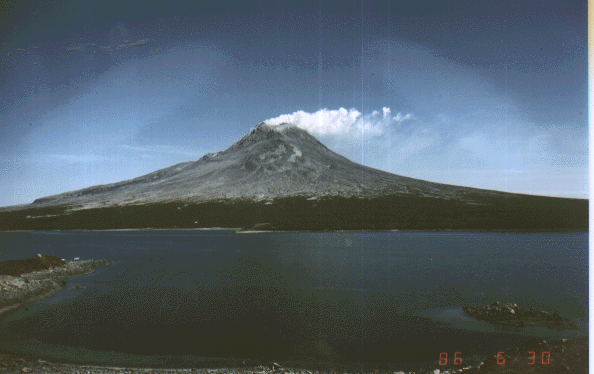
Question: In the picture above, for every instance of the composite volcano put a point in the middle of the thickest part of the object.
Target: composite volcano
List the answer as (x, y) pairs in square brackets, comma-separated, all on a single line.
[(271, 161), (281, 177)]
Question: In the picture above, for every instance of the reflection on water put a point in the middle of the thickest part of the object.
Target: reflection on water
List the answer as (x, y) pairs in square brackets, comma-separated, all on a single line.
[(178, 298)]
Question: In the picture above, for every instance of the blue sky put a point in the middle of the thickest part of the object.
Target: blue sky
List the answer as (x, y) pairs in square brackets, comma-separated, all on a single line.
[(476, 93)]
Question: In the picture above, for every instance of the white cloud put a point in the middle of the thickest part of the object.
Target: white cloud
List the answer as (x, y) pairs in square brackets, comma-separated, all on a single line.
[(341, 121), (399, 117)]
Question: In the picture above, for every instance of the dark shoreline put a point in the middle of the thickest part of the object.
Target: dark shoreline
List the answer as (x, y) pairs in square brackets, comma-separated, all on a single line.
[(243, 230), (563, 356)]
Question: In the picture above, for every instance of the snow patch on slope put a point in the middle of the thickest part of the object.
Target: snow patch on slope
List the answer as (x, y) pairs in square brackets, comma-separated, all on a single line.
[(297, 153)]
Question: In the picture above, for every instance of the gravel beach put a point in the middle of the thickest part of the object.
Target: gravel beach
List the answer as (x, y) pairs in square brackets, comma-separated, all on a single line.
[(566, 357)]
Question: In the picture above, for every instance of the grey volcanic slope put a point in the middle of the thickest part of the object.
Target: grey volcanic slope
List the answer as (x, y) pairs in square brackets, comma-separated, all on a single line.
[(270, 161)]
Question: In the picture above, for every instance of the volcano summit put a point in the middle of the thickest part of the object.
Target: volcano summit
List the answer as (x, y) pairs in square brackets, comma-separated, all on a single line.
[(281, 177)]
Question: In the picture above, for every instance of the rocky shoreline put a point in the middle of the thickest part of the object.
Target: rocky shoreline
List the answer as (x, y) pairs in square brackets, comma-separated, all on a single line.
[(19, 287), (513, 315)]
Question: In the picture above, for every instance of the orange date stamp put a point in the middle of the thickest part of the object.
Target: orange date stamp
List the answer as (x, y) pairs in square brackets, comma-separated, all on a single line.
[(545, 358)]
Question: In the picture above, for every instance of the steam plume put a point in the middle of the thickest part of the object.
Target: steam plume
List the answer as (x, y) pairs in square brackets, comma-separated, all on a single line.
[(341, 121)]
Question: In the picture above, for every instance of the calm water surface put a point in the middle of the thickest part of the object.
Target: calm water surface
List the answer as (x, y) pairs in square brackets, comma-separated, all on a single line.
[(180, 298)]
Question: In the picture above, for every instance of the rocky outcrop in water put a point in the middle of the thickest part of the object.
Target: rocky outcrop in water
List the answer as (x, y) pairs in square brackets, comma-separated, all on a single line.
[(512, 315)]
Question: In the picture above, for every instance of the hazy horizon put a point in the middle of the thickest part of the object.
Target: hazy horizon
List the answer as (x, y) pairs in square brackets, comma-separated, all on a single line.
[(476, 94)]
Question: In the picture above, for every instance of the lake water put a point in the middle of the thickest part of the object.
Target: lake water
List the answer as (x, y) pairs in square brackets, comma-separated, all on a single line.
[(206, 298)]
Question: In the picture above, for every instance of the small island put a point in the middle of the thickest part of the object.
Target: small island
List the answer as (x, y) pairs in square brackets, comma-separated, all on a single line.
[(512, 315)]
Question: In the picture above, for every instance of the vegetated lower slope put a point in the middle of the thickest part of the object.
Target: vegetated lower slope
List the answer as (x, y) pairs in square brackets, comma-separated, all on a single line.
[(519, 213)]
